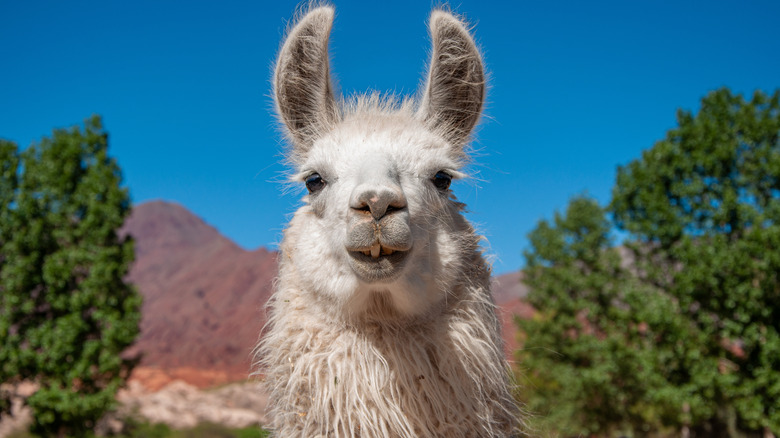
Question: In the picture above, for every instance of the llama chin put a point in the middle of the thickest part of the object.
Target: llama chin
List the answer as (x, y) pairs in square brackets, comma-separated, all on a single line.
[(382, 323)]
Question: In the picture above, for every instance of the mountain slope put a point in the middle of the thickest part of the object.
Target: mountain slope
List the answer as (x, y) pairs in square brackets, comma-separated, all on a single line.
[(203, 295)]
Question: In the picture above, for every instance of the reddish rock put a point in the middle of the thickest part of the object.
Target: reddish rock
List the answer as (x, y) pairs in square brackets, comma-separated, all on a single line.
[(203, 295), (509, 292)]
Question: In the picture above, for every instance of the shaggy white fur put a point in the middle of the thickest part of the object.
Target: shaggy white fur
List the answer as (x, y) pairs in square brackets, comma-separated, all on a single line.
[(382, 323)]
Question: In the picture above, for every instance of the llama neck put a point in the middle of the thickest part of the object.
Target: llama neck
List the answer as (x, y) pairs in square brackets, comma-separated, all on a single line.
[(442, 376)]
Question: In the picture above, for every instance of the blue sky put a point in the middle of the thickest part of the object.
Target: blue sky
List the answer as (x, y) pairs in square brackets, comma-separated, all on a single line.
[(577, 88)]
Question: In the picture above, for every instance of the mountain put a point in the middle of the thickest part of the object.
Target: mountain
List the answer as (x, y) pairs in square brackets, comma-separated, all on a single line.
[(204, 298), (509, 292)]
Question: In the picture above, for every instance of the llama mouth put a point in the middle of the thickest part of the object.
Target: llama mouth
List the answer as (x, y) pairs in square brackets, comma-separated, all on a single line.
[(377, 250), (378, 263)]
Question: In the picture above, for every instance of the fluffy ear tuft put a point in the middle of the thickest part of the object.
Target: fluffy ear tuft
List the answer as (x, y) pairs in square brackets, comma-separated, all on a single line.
[(455, 90), (302, 86)]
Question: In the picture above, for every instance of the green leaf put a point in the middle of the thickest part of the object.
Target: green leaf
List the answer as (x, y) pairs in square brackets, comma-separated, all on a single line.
[(66, 312)]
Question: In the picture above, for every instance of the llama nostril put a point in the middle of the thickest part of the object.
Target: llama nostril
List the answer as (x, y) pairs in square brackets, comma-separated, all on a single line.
[(378, 202), (393, 209)]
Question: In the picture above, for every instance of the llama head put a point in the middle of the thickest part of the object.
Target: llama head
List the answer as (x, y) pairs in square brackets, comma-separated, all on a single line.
[(379, 224)]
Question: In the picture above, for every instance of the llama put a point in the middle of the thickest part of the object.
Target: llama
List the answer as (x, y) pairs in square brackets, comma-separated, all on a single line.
[(382, 323)]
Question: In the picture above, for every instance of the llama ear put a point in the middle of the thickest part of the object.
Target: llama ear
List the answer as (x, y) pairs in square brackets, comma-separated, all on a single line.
[(455, 90), (302, 87)]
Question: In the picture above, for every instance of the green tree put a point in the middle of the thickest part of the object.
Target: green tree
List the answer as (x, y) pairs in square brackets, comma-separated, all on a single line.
[(703, 206), (66, 313), (601, 356), (678, 327), (9, 164)]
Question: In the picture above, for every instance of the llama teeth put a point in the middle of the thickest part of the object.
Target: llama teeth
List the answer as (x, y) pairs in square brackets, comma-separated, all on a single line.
[(387, 251), (375, 250)]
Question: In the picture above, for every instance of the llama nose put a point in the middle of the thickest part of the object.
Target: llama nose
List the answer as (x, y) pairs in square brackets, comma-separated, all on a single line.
[(378, 202)]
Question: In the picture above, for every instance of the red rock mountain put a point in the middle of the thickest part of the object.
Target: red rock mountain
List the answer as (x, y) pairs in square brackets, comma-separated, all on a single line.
[(204, 298), (509, 293)]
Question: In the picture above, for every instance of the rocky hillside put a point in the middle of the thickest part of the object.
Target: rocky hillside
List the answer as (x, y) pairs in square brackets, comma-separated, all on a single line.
[(204, 298), (509, 293)]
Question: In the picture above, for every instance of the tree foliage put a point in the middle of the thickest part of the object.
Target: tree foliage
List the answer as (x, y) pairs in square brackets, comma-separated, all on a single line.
[(66, 313), (602, 354), (679, 327)]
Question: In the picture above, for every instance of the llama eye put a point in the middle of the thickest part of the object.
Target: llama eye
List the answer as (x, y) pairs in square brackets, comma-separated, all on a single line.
[(314, 183), (442, 180)]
